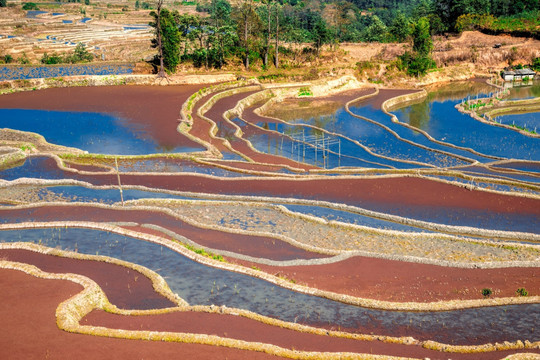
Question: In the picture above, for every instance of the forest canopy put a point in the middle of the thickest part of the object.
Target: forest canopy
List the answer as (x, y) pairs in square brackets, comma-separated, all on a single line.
[(250, 30)]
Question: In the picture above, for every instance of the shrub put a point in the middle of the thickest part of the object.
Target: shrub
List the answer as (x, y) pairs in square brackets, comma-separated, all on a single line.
[(30, 6), (305, 91), (522, 292), (8, 59), (414, 63), (80, 54), (486, 292), (364, 65), (49, 60), (536, 64), (24, 59)]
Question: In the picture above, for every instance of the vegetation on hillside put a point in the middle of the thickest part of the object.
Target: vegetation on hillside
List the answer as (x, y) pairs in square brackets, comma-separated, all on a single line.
[(80, 54), (253, 31)]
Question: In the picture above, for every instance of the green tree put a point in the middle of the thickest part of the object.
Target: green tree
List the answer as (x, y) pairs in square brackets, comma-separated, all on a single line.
[(137, 4), (321, 34), (376, 31), (3, 3), (536, 64), (436, 24), (419, 61), (167, 39), (52, 59), (222, 41), (422, 42), (80, 54), (30, 6), (479, 7), (400, 27), (248, 26), (220, 13)]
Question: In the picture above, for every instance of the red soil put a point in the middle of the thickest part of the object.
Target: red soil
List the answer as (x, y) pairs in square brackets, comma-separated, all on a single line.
[(28, 313), (201, 128), (90, 168), (125, 288), (240, 328), (156, 109), (402, 281), (358, 276), (253, 118), (162, 104), (399, 191), (29, 331), (250, 166)]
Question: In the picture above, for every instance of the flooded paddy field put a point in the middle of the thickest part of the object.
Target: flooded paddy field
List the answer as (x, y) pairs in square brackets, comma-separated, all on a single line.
[(209, 286), (284, 210)]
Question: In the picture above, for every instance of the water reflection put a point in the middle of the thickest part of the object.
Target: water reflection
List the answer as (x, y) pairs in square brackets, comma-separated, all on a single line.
[(94, 132), (438, 117)]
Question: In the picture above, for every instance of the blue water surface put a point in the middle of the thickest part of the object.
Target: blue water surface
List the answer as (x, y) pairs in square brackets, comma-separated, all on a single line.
[(93, 132), (447, 124), (529, 121)]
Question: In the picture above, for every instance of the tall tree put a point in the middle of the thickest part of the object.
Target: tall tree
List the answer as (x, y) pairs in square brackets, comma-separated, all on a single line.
[(321, 33), (157, 42), (167, 39), (248, 20), (422, 42), (400, 27), (3, 3), (220, 13), (420, 61), (377, 31), (268, 32), (276, 55), (480, 7)]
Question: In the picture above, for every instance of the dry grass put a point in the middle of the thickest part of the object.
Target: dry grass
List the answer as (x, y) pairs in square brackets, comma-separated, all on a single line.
[(478, 49)]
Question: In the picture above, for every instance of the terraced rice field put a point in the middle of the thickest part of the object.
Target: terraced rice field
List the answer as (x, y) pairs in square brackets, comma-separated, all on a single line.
[(245, 220), (30, 34)]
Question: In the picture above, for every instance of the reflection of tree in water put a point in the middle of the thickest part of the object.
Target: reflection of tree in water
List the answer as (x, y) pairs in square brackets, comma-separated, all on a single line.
[(226, 131), (418, 113), (458, 90), (327, 122), (165, 148), (301, 110)]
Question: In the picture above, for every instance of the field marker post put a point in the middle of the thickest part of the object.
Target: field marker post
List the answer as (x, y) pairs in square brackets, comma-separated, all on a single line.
[(119, 183)]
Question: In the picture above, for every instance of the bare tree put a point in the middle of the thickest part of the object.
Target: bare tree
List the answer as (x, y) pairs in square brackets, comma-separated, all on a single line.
[(248, 19), (161, 72), (267, 45), (276, 57)]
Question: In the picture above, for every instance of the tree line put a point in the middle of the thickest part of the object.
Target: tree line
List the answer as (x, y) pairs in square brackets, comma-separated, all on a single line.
[(254, 30)]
